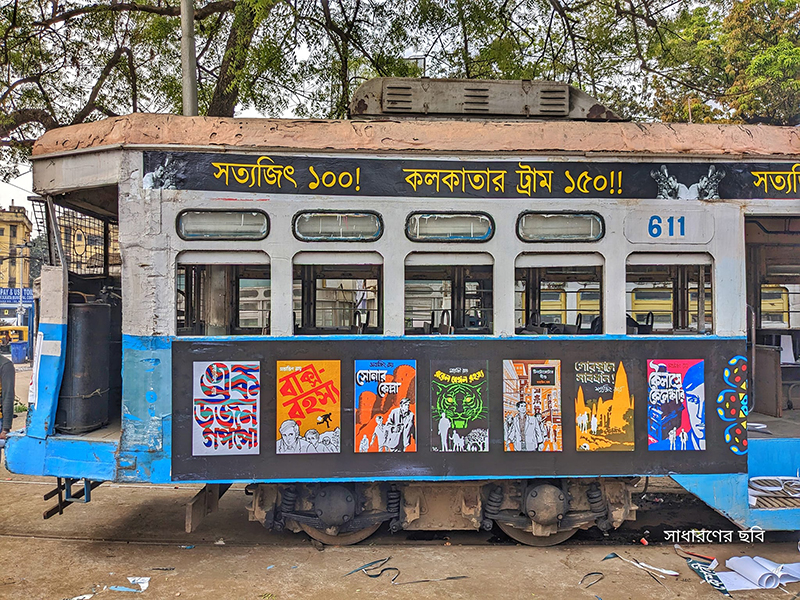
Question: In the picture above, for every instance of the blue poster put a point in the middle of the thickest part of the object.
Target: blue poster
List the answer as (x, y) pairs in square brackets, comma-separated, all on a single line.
[(676, 405)]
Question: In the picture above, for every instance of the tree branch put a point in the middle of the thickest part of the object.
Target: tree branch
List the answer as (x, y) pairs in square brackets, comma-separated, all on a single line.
[(90, 103), (166, 11), (24, 116)]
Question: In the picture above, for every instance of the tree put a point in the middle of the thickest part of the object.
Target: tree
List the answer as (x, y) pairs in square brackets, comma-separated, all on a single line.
[(735, 61), (39, 255), (73, 61), (66, 62)]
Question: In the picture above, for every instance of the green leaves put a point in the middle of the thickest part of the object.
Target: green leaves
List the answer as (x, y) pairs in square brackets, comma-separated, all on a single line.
[(65, 61)]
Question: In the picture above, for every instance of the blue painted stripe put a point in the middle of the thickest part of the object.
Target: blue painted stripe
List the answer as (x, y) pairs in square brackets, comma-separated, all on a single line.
[(521, 338), (145, 343), (442, 478), (62, 456)]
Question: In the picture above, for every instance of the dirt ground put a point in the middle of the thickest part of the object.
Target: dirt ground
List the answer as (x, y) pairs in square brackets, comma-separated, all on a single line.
[(137, 531)]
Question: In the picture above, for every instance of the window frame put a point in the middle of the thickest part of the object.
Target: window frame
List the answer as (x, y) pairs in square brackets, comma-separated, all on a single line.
[(297, 215), (221, 238), (480, 213), (679, 261), (560, 212)]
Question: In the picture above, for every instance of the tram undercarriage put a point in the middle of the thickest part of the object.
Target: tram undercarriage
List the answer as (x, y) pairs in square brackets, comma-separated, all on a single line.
[(538, 512)]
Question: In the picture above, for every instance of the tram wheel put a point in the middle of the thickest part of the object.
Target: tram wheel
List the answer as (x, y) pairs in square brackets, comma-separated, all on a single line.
[(341, 539), (527, 538)]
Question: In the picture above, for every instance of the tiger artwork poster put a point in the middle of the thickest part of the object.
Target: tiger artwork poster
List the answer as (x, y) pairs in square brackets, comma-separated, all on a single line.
[(603, 407), (532, 406), (386, 406), (309, 407), (459, 406)]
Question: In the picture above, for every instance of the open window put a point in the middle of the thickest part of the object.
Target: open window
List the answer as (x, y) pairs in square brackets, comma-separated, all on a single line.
[(775, 313), (663, 294), (558, 294), (337, 298), (442, 298), (222, 299)]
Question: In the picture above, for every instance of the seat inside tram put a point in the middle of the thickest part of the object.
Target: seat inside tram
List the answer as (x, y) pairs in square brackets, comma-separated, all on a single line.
[(448, 299), (558, 300), (664, 299)]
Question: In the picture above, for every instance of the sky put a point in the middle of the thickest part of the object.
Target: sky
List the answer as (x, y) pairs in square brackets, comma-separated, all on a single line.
[(11, 191)]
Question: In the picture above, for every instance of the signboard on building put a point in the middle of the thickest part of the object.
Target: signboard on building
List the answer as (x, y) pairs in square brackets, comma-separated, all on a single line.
[(11, 296)]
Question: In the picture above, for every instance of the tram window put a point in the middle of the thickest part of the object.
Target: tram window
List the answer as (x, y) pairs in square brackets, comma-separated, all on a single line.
[(337, 299), (449, 227), (774, 307), (664, 299), (558, 300), (560, 227), (223, 300), (222, 225), (448, 299), (337, 226)]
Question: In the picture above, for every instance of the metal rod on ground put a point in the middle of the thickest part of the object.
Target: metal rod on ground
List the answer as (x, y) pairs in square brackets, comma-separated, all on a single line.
[(188, 59)]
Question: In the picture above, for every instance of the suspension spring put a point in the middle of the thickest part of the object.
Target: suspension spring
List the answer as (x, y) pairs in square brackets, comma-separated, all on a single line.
[(493, 503), (597, 503), (393, 501), (288, 497), (599, 507)]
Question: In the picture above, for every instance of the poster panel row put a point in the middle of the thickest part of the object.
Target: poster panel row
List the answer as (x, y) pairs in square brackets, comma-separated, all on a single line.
[(226, 410)]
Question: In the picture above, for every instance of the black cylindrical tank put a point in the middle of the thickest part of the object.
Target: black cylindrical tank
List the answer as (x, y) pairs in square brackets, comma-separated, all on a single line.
[(83, 399)]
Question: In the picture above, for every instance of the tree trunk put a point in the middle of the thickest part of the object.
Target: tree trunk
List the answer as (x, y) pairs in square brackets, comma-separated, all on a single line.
[(226, 92)]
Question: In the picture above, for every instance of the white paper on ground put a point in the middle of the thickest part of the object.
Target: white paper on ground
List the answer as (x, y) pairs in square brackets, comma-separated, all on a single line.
[(735, 582), (793, 568), (142, 582), (750, 569), (785, 573)]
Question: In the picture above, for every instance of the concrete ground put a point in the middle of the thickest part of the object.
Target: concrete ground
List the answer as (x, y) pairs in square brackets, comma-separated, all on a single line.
[(137, 531)]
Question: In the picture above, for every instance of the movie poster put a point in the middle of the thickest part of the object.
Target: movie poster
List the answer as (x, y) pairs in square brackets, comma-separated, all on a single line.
[(225, 408), (386, 406), (532, 405), (676, 405), (309, 407), (459, 406), (603, 407)]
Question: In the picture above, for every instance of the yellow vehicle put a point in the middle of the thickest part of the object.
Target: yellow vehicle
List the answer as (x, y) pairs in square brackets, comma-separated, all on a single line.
[(13, 333), (774, 306), (659, 302)]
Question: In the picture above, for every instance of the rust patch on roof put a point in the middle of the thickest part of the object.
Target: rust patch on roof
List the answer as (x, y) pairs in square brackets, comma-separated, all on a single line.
[(531, 137)]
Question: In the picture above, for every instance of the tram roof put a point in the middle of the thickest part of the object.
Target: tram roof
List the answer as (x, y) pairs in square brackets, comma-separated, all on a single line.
[(165, 131)]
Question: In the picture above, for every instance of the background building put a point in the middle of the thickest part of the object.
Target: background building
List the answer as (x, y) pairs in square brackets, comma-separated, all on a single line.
[(15, 230)]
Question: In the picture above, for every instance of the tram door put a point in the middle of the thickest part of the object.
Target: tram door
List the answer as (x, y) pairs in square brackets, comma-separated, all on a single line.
[(773, 306)]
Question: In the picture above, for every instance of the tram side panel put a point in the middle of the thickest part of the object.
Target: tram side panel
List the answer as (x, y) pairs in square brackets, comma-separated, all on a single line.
[(619, 410)]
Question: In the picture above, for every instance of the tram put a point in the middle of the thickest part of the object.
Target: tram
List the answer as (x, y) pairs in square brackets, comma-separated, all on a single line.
[(473, 303)]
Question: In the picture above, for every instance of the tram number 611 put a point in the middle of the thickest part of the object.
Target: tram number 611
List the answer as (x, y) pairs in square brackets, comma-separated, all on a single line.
[(674, 227)]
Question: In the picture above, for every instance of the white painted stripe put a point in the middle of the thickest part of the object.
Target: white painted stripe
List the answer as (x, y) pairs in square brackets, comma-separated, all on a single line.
[(53, 321), (51, 347)]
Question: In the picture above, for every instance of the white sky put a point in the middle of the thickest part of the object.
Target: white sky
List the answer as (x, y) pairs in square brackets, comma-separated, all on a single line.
[(11, 191)]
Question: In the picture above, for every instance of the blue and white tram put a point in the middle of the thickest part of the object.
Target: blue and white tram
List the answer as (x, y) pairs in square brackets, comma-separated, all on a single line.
[(420, 321)]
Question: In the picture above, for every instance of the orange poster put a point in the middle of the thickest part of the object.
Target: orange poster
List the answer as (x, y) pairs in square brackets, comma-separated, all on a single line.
[(603, 407), (309, 406)]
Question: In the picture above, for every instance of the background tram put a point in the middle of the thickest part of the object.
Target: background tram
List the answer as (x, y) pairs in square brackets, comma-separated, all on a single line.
[(428, 320)]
